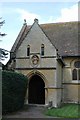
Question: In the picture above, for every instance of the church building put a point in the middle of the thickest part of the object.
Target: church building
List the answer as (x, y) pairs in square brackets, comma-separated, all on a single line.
[(49, 55)]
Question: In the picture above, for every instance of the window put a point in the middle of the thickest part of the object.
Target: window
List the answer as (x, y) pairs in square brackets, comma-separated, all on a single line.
[(79, 73), (28, 50), (42, 49), (76, 71), (77, 64)]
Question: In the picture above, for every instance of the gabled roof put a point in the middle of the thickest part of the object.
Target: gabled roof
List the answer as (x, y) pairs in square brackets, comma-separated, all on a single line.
[(63, 35)]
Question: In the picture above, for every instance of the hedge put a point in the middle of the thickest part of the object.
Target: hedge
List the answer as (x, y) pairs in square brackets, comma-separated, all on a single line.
[(14, 88)]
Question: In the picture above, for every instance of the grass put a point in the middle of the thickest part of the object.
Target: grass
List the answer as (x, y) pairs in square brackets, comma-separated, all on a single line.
[(66, 111)]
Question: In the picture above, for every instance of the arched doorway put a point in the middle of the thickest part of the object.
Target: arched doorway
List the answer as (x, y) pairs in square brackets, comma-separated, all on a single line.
[(36, 91)]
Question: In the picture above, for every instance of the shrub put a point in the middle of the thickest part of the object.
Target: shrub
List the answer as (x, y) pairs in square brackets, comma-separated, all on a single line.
[(14, 88)]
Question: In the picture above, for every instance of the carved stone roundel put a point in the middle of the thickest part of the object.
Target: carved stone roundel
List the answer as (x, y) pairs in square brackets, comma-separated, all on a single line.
[(35, 60)]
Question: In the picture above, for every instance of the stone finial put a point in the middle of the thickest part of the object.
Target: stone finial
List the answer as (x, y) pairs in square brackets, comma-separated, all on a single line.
[(24, 21), (36, 20)]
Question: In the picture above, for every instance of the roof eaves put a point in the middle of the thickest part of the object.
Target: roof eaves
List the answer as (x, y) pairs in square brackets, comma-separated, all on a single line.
[(66, 56)]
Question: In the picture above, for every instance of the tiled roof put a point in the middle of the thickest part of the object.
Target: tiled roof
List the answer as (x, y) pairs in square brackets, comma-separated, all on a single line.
[(65, 36)]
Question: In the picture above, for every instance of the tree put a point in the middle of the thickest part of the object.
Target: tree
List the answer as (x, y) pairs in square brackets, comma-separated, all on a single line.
[(3, 52), (1, 24)]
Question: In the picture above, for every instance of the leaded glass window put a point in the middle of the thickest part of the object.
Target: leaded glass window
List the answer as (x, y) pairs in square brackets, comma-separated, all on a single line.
[(76, 71)]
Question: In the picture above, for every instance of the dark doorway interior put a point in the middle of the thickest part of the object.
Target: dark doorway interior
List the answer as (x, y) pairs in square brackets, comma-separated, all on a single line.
[(36, 94)]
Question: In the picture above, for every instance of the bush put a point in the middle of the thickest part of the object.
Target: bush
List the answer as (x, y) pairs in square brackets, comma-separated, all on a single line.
[(14, 88)]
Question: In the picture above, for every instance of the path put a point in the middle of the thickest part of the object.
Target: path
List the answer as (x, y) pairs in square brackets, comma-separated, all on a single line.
[(29, 112)]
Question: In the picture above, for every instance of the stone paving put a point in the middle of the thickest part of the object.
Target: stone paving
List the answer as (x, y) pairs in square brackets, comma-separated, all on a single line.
[(29, 111)]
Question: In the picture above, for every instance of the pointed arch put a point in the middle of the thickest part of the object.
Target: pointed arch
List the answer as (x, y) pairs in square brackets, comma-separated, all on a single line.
[(38, 73), (30, 74), (28, 50), (36, 90), (42, 49)]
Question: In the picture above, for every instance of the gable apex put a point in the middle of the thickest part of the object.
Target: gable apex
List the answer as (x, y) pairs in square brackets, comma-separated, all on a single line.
[(36, 27), (36, 20)]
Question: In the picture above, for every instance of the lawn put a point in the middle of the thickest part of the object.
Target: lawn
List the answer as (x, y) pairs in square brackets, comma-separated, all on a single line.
[(66, 111)]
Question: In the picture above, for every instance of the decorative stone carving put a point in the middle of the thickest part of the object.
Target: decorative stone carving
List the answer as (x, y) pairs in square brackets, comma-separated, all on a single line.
[(34, 60)]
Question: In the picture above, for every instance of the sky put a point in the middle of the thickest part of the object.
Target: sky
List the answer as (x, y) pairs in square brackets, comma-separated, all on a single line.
[(14, 14)]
